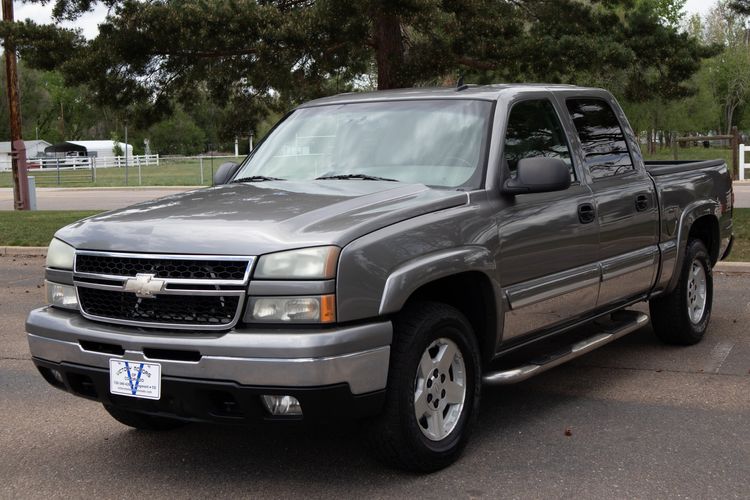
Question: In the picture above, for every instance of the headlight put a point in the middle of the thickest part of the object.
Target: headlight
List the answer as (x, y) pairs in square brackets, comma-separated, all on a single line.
[(60, 255), (316, 309), (304, 264), (63, 296)]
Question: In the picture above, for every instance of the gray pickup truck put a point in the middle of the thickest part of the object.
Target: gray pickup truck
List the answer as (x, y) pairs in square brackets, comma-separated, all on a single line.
[(383, 256)]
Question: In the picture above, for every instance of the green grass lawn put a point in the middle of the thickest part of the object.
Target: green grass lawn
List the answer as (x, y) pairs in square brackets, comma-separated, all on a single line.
[(741, 249), (187, 172), (168, 173), (37, 228)]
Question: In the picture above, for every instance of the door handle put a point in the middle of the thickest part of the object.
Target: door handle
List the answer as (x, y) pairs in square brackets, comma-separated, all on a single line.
[(642, 202), (586, 213)]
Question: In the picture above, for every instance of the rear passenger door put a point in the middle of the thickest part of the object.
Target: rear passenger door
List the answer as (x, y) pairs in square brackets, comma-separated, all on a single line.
[(625, 199)]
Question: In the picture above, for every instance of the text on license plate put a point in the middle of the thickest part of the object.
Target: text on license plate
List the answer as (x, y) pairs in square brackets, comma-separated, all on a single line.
[(135, 379)]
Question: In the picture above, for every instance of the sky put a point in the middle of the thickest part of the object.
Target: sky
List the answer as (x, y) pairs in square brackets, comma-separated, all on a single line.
[(42, 14), (88, 22), (699, 6)]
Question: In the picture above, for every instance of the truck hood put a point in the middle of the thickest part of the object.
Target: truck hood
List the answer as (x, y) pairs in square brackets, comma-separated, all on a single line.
[(258, 218)]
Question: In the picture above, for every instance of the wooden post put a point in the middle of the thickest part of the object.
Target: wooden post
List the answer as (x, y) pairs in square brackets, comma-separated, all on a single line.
[(674, 146), (20, 181), (735, 142)]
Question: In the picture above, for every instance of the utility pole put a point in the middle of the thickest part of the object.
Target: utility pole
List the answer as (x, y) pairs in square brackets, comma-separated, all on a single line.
[(18, 149), (126, 151), (62, 120)]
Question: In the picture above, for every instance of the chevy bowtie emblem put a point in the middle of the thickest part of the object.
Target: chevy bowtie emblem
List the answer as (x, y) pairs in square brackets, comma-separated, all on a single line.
[(144, 285)]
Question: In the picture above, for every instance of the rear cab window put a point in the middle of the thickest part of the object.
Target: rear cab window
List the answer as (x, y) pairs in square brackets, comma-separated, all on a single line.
[(602, 139)]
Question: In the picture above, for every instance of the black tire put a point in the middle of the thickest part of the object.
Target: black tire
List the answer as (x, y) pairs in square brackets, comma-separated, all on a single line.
[(143, 422), (396, 435), (670, 314)]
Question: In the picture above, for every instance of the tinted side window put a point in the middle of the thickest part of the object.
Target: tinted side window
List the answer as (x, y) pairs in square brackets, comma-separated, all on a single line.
[(601, 136), (534, 130)]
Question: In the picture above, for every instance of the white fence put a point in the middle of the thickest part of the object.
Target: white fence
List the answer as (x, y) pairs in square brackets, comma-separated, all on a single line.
[(86, 162), (742, 165)]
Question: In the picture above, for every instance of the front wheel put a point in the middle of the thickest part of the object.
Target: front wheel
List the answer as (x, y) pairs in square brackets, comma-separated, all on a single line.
[(681, 317), (433, 389)]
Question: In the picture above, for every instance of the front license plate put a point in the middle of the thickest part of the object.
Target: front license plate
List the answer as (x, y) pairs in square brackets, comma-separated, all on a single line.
[(135, 379)]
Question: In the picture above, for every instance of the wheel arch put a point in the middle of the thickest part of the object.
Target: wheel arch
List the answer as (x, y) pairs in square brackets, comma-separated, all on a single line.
[(698, 220), (706, 229), (461, 278)]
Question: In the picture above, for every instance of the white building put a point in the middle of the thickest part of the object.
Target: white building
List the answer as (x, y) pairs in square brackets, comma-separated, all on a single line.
[(33, 150), (104, 149), (98, 149)]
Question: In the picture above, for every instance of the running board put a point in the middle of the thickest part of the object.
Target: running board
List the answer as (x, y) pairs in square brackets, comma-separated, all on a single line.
[(624, 322)]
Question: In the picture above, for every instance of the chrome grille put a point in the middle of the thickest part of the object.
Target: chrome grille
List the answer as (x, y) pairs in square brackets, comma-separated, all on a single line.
[(163, 267), (169, 309), (192, 292)]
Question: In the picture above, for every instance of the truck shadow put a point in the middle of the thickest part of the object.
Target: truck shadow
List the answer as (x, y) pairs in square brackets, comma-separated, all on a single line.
[(515, 423), (333, 457)]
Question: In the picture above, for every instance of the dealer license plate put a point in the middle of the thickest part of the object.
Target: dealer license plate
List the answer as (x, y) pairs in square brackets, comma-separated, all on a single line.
[(135, 379)]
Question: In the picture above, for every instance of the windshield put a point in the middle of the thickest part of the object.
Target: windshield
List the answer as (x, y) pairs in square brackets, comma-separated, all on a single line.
[(437, 143)]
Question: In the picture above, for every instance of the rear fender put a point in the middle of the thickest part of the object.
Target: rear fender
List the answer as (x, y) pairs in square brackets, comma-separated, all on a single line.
[(692, 212)]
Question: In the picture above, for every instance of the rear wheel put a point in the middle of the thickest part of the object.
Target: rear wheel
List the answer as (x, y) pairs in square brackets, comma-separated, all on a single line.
[(682, 316), (142, 421), (433, 389)]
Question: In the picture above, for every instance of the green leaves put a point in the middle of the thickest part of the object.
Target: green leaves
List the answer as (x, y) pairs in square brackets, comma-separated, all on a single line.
[(272, 54)]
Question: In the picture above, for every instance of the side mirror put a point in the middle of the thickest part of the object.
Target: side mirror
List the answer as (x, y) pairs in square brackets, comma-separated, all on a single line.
[(225, 172), (538, 175)]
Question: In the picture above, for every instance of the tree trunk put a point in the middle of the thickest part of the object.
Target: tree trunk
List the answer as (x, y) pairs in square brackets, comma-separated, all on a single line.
[(729, 116), (389, 51)]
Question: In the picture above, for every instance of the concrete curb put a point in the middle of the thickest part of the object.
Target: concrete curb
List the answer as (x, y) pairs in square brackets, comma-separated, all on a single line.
[(24, 251), (733, 267), (722, 267)]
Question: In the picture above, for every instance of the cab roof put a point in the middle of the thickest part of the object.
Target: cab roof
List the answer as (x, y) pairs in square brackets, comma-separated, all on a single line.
[(482, 92)]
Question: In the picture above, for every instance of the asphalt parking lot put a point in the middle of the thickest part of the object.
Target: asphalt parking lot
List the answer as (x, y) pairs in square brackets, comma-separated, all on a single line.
[(645, 421), (90, 198)]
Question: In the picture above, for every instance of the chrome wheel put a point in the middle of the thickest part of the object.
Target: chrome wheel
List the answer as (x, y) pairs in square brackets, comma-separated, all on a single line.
[(697, 291), (439, 389)]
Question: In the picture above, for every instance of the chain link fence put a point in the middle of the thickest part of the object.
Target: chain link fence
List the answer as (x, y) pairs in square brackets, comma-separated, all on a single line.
[(152, 170)]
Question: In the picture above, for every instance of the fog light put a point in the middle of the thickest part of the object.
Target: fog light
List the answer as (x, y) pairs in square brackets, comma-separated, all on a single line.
[(281, 405), (57, 376)]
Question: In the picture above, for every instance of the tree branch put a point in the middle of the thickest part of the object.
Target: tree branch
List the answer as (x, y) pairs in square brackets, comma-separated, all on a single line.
[(476, 64)]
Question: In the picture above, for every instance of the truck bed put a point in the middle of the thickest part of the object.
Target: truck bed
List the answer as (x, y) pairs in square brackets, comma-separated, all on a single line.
[(664, 167)]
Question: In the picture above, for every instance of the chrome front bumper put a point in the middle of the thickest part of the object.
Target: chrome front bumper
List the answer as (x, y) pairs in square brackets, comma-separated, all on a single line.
[(355, 355)]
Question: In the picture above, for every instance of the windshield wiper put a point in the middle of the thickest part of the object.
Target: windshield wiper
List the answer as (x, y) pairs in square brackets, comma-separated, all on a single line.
[(257, 178), (363, 177)]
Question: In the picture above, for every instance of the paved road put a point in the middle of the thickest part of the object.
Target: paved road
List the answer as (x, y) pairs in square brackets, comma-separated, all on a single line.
[(89, 199), (107, 199), (647, 421)]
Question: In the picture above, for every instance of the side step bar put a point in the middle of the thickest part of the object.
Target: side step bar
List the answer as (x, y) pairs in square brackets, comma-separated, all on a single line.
[(623, 323)]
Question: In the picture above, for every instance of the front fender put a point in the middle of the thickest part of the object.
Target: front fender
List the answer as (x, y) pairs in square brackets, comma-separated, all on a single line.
[(411, 275)]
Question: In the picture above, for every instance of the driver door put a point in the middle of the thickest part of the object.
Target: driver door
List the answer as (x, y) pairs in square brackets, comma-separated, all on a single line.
[(548, 241)]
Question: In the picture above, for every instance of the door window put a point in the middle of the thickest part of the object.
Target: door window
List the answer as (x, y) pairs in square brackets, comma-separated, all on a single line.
[(534, 130), (601, 136)]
